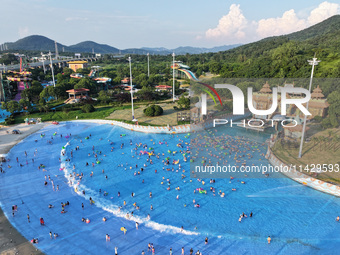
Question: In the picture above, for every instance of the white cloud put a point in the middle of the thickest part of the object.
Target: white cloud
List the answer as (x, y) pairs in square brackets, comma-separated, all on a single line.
[(23, 32), (235, 27), (278, 26), (230, 25), (322, 12)]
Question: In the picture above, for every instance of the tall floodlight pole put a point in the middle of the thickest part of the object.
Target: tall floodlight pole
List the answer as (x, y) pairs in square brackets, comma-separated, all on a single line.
[(173, 76), (133, 114), (148, 65), (313, 63), (52, 68), (44, 66)]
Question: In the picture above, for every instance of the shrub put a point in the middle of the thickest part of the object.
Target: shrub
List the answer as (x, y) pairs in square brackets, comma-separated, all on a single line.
[(88, 108), (183, 102), (318, 119), (149, 111), (9, 120), (153, 110), (158, 110), (194, 99), (218, 107)]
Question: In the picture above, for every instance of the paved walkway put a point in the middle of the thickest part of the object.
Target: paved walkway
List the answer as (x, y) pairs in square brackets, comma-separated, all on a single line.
[(8, 140)]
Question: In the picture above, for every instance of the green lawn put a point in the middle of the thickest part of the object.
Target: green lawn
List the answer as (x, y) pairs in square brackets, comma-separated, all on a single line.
[(100, 113), (327, 153)]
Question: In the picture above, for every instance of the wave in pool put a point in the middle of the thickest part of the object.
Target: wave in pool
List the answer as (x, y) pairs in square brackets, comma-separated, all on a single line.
[(114, 209)]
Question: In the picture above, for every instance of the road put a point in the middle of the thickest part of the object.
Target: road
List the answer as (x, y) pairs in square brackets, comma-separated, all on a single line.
[(39, 64)]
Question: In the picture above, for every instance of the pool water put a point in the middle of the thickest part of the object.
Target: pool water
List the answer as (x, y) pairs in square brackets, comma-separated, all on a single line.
[(299, 219), (3, 115)]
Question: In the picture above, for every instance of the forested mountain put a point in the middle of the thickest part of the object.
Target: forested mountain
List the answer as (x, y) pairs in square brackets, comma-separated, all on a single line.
[(35, 43), (89, 46), (280, 56), (42, 43)]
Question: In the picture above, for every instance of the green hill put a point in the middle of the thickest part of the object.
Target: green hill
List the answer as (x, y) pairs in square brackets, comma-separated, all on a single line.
[(36, 43), (328, 26), (282, 56), (88, 46)]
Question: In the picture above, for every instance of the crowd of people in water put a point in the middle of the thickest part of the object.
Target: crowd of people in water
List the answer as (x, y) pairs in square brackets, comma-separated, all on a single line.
[(209, 149)]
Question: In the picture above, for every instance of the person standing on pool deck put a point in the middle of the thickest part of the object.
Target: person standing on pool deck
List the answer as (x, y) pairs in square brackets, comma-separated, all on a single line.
[(269, 239)]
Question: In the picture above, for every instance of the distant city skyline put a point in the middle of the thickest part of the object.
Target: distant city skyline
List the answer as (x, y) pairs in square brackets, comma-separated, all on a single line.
[(151, 23)]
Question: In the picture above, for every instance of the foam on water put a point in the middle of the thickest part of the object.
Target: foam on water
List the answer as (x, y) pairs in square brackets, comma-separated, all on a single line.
[(114, 209), (300, 220)]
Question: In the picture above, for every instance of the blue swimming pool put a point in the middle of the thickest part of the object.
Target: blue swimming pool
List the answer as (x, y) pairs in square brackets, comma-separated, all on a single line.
[(299, 220), (3, 115)]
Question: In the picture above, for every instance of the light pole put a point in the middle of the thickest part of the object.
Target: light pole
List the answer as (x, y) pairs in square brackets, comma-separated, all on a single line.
[(148, 65), (313, 63), (44, 66), (52, 68), (173, 76), (131, 90)]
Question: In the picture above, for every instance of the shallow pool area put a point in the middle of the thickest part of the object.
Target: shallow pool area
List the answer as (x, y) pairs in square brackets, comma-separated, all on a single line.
[(115, 166), (3, 115)]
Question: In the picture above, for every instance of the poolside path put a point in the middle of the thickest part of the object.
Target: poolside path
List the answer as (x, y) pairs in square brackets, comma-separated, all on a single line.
[(8, 140)]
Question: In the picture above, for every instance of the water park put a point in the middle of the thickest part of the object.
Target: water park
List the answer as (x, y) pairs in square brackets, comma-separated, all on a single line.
[(97, 179), (93, 75), (98, 186)]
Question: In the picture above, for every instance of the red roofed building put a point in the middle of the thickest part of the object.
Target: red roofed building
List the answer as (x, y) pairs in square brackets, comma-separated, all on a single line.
[(75, 95), (126, 80), (163, 87)]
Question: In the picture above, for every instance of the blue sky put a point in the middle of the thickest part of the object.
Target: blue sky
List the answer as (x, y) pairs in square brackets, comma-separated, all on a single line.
[(151, 23)]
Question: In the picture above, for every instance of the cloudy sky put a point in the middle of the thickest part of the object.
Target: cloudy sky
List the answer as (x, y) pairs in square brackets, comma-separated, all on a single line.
[(158, 23)]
